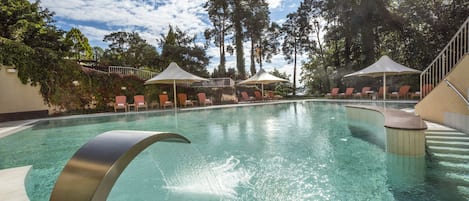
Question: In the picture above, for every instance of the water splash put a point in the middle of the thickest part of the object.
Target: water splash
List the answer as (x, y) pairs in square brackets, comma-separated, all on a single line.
[(217, 179)]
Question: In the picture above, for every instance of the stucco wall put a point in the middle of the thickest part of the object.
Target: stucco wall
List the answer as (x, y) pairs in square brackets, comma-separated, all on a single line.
[(442, 105), (17, 97)]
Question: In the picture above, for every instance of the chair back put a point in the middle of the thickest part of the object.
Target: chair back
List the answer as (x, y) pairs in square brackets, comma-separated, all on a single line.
[(365, 89), (381, 91), (349, 91), (403, 90), (201, 97), (121, 100), (139, 100), (244, 95), (163, 98), (270, 94), (182, 97), (334, 91), (258, 95)]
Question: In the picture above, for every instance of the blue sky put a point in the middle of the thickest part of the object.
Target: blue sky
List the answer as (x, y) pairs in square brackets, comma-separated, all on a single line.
[(150, 18)]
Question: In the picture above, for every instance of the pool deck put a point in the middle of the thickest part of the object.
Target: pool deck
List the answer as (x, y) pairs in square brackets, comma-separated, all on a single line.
[(12, 187)]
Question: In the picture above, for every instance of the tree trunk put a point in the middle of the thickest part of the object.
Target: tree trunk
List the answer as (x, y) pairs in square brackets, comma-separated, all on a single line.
[(253, 56)]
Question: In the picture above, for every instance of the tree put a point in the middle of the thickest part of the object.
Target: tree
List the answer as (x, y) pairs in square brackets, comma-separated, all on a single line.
[(237, 18), (129, 49), (296, 41), (269, 44), (80, 48), (219, 12), (30, 42), (256, 22), (180, 48)]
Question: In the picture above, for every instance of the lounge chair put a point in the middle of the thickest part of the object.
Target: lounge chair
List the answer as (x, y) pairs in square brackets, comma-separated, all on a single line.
[(164, 101), (139, 101), (258, 96), (203, 100), (272, 96), (402, 93), (381, 91), (334, 93), (425, 90), (121, 103), (182, 98), (363, 93), (245, 97), (348, 93)]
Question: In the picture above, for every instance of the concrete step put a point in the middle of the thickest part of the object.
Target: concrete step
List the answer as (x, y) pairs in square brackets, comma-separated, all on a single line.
[(448, 150), (456, 158), (445, 133), (448, 144), (454, 167), (464, 191), (448, 138), (461, 179)]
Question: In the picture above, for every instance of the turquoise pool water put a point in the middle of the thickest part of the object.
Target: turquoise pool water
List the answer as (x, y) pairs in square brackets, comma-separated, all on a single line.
[(289, 151)]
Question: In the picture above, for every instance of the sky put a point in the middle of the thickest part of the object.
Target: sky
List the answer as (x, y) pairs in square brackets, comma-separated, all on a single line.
[(151, 19)]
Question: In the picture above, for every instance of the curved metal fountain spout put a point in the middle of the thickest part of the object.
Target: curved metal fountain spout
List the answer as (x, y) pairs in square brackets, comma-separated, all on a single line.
[(92, 171)]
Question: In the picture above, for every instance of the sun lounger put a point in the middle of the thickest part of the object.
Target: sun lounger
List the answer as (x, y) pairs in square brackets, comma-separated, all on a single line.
[(121, 103), (182, 98), (402, 93), (348, 93), (139, 102), (203, 100), (334, 93), (164, 101), (364, 93)]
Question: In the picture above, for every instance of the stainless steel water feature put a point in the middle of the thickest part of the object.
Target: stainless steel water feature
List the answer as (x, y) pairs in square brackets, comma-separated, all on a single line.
[(92, 171)]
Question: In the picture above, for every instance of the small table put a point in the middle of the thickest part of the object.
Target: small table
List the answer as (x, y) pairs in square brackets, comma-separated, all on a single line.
[(371, 94), (130, 105)]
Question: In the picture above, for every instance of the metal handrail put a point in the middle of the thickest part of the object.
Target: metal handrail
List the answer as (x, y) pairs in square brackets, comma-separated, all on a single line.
[(456, 48), (457, 92), (92, 171), (143, 74)]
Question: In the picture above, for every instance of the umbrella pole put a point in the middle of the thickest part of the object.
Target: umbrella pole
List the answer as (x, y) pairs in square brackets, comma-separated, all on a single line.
[(384, 86), (174, 90), (262, 87)]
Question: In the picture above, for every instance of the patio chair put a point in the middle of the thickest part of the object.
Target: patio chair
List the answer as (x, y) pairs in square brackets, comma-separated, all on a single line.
[(139, 101), (348, 93), (402, 93), (164, 101), (258, 96), (203, 100), (182, 98), (381, 91), (363, 93), (334, 93), (121, 103), (245, 97), (425, 90)]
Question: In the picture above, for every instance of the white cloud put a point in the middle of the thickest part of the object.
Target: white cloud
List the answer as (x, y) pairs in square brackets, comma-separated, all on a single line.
[(274, 3), (150, 18)]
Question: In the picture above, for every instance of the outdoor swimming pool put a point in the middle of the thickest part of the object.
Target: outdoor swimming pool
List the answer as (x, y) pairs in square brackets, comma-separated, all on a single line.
[(290, 151)]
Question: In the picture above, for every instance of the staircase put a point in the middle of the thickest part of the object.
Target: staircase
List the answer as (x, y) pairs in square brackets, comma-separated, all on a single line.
[(449, 150)]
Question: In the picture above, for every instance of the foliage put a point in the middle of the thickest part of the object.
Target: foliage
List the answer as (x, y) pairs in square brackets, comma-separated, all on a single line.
[(80, 48), (256, 23), (282, 89), (129, 49), (357, 33), (178, 47)]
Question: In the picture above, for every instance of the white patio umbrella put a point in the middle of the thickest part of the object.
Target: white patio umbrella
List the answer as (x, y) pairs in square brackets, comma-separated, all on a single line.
[(174, 74), (262, 78), (384, 66)]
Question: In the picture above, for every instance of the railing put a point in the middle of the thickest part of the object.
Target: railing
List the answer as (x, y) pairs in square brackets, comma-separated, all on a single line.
[(215, 82), (143, 74), (450, 85), (447, 59)]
